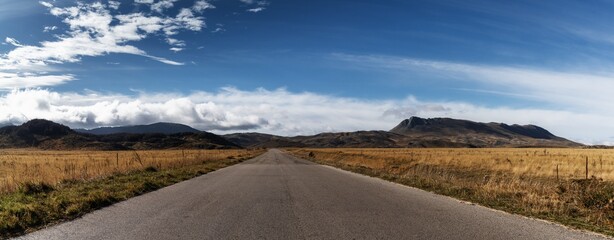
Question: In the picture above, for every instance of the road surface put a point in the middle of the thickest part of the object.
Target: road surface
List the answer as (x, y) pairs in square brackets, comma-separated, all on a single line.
[(277, 196)]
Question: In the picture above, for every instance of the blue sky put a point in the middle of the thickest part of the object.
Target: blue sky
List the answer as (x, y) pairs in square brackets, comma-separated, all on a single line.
[(302, 67)]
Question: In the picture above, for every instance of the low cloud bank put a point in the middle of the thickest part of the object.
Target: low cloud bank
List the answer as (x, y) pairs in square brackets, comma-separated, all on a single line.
[(276, 111)]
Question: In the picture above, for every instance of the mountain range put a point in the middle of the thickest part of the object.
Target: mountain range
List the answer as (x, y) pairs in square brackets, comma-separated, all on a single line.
[(412, 132), (418, 132), (45, 134)]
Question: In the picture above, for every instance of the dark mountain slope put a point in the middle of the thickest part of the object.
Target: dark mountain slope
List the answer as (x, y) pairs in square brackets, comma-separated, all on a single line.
[(164, 128), (45, 134), (360, 139)]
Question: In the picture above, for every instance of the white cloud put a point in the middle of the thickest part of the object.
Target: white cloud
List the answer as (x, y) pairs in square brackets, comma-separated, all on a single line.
[(256, 6), (19, 80), (255, 10), (158, 6), (144, 1), (186, 19), (13, 42), (114, 4), (164, 60), (277, 111), (95, 31), (46, 4), (175, 42), (259, 3), (49, 28), (162, 5), (202, 5)]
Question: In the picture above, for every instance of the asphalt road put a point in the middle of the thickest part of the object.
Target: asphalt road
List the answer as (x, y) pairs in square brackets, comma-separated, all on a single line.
[(277, 196)]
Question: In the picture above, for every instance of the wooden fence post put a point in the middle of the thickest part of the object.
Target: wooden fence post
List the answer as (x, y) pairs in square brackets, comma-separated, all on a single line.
[(587, 167)]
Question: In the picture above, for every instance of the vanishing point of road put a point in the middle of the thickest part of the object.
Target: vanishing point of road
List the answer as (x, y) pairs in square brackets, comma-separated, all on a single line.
[(278, 196)]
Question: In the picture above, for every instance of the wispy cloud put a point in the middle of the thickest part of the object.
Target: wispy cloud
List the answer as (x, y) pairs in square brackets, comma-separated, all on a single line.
[(27, 80), (276, 111), (255, 10), (255, 6), (97, 29), (13, 42), (218, 28), (202, 5), (260, 3), (581, 91)]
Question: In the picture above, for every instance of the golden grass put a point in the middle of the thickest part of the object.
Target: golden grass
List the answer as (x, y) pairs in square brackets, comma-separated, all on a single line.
[(19, 167), (521, 181), (522, 162), (39, 188)]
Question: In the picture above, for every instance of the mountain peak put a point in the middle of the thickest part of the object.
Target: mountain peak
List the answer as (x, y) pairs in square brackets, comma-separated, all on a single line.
[(46, 128), (416, 121), (410, 123)]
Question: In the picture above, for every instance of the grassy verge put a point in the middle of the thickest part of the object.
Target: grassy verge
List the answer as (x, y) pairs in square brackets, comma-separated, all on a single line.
[(580, 203), (36, 205)]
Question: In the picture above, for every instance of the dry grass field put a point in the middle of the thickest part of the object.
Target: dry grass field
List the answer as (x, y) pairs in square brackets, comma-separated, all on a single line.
[(551, 184), (38, 188), (19, 167)]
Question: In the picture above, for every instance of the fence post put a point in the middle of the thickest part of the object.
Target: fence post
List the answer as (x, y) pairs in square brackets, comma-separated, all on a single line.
[(587, 167)]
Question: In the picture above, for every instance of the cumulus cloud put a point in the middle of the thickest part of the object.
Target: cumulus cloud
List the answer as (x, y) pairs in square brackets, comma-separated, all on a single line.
[(162, 5), (96, 29), (276, 111), (158, 6)]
